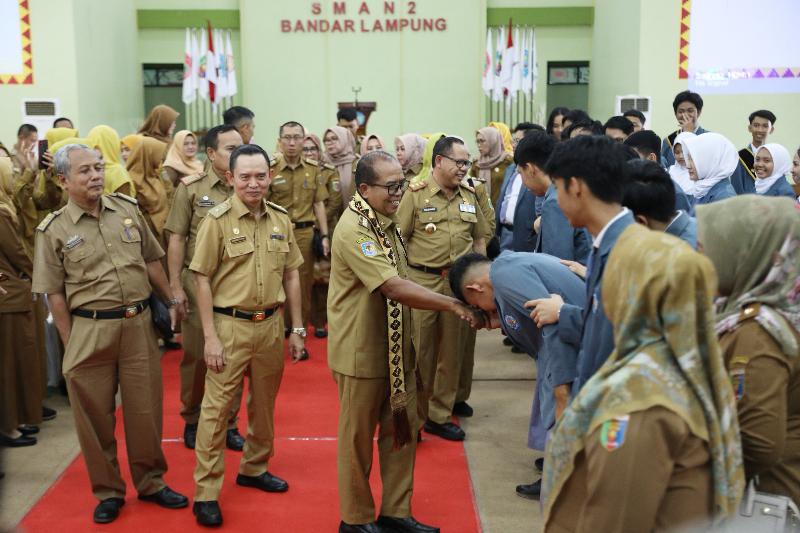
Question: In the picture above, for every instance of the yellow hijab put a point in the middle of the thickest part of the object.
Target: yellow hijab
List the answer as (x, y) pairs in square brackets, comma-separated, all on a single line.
[(106, 139), (505, 133), (55, 135), (179, 161), (427, 156)]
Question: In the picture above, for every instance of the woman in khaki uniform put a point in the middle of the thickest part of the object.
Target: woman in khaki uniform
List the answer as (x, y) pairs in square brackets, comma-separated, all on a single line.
[(408, 149), (754, 243), (490, 167), (152, 191), (19, 368), (160, 123), (181, 161), (651, 442)]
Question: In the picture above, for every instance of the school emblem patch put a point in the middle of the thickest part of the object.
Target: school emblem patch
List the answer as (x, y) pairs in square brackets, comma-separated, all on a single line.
[(369, 249), (737, 382), (511, 322), (612, 434)]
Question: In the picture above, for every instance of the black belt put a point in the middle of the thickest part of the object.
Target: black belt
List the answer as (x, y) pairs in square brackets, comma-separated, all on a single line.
[(301, 225), (430, 270), (509, 227), (123, 312), (253, 316)]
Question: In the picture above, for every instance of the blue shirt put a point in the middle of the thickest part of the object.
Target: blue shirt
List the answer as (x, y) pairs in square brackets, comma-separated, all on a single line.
[(556, 236), (781, 188), (685, 228), (720, 191), (518, 277), (682, 201)]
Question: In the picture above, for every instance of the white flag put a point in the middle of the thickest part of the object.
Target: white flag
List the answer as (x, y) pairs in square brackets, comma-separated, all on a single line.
[(488, 65), (508, 62), (195, 59), (231, 68), (534, 61), (189, 86), (202, 71), (497, 86), (527, 71), (222, 67), (516, 67)]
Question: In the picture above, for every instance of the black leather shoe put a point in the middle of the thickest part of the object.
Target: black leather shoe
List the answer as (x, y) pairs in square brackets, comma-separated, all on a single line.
[(167, 498), (22, 440), (108, 510), (462, 409), (404, 525), (172, 345), (531, 491), (48, 414), (448, 430), (320, 333), (359, 528), (507, 342), (539, 464), (234, 440), (28, 430), (266, 482), (516, 349), (208, 513), (190, 435)]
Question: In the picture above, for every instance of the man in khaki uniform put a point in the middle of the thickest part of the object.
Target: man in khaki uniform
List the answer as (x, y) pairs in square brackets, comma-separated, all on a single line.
[(441, 220), (245, 267), (368, 305), (296, 186), (194, 197), (97, 260)]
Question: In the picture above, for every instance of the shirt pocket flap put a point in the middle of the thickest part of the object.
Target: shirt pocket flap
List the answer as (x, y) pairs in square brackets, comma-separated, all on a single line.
[(239, 248), (277, 245), (79, 253), (468, 217)]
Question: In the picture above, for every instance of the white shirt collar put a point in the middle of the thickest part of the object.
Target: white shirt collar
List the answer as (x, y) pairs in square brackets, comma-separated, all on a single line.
[(600, 235)]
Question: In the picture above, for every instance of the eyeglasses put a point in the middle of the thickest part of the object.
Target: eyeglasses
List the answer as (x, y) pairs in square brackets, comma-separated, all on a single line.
[(394, 187), (290, 138), (309, 149), (460, 163)]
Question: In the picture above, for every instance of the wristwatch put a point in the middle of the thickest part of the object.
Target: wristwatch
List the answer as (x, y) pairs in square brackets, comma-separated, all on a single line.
[(172, 302), (300, 331)]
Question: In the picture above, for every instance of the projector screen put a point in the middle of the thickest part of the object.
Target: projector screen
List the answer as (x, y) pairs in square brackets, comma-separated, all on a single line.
[(741, 46)]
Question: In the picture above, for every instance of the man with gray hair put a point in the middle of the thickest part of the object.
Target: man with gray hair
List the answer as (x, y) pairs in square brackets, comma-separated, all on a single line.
[(97, 261)]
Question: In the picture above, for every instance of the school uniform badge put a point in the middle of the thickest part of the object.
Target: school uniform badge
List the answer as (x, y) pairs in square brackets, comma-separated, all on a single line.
[(612, 433), (737, 375), (511, 322), (369, 249)]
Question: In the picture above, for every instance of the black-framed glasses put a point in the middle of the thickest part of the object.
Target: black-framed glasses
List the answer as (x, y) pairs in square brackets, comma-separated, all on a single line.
[(290, 138), (309, 149), (394, 187), (460, 163)]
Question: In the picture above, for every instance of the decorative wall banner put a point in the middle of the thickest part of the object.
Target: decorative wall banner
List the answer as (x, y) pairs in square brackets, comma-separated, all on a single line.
[(359, 16), (683, 47), (16, 60)]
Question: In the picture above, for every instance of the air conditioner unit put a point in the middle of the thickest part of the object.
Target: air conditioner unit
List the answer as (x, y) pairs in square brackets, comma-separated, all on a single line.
[(630, 101), (41, 112)]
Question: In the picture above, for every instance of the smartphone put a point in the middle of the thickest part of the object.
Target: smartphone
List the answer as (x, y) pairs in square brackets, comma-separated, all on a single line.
[(43, 146)]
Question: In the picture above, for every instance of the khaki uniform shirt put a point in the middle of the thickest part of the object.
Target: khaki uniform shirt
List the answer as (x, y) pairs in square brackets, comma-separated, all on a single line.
[(439, 230), (498, 173), (34, 202), (486, 206), (297, 189), (245, 259), (766, 383), (98, 263), (333, 205), (194, 197), (358, 346), (16, 264)]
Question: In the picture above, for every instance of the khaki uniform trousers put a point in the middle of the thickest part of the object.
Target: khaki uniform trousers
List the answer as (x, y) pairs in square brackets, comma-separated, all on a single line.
[(364, 405), (256, 349), (305, 239), (19, 372), (193, 366), (467, 366), (319, 305), (439, 339), (102, 355)]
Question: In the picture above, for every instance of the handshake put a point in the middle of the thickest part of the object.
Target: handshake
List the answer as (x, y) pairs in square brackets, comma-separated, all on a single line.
[(477, 318)]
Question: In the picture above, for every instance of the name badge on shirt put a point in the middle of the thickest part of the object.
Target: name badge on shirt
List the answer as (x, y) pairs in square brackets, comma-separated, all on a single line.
[(280, 180), (466, 208), (237, 240), (205, 201), (429, 209), (277, 236), (72, 242)]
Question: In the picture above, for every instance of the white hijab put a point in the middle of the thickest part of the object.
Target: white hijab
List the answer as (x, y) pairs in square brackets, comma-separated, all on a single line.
[(678, 172), (715, 159), (783, 163)]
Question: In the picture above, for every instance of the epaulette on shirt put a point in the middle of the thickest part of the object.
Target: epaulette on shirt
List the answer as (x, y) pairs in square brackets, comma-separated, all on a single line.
[(328, 166), (188, 180), (277, 207), (48, 219), (220, 209), (467, 186), (312, 162), (125, 197), (749, 311), (418, 186)]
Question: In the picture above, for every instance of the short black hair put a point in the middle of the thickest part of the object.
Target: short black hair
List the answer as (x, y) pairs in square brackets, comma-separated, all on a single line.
[(649, 190), (687, 96), (592, 126), (619, 123), (463, 264), (347, 113), (635, 113), (526, 126), (61, 119), (444, 146), (290, 124), (211, 139), (535, 148), (551, 120), (26, 129), (763, 113), (595, 159), (236, 115), (645, 142), (576, 115), (247, 149), (365, 168)]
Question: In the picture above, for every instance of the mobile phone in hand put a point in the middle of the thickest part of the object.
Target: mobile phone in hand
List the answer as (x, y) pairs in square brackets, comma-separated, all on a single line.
[(43, 146)]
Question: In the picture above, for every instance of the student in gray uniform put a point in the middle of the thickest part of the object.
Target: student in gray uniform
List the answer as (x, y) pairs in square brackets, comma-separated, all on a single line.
[(501, 288)]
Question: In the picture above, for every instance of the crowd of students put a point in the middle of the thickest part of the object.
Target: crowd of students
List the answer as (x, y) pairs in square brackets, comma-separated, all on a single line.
[(661, 364)]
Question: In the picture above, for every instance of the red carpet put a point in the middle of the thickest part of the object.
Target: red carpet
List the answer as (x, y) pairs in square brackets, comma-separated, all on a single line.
[(305, 455)]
